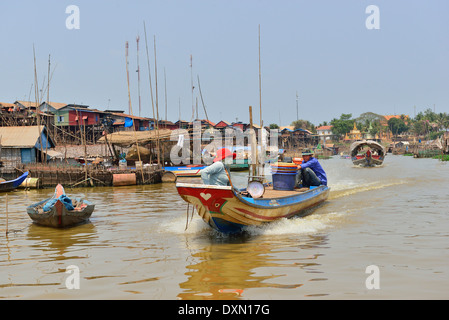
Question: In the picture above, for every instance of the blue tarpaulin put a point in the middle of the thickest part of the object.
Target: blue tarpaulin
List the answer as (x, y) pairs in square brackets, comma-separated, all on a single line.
[(63, 198), (128, 122)]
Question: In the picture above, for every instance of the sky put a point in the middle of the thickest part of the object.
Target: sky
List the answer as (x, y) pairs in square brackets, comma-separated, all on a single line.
[(337, 56)]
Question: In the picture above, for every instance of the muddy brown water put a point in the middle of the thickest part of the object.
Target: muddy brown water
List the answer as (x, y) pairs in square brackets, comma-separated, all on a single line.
[(394, 217)]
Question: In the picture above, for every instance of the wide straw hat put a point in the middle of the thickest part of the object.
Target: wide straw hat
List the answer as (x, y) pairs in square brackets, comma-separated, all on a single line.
[(307, 153), (224, 153)]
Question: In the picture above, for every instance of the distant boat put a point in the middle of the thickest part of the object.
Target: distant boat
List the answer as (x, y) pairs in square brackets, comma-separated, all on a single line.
[(228, 210), (59, 211), (9, 185), (373, 156)]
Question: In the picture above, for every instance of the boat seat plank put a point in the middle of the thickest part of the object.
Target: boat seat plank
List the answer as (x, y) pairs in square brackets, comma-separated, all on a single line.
[(271, 193)]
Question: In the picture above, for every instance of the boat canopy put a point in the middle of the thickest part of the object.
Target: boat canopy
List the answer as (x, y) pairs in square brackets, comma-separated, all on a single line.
[(358, 145)]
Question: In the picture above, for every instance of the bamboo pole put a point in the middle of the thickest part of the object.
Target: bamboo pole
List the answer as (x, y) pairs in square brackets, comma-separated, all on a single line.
[(165, 89), (7, 215), (48, 97), (201, 96), (36, 96), (131, 113), (138, 73), (260, 86), (157, 106), (151, 93), (254, 159)]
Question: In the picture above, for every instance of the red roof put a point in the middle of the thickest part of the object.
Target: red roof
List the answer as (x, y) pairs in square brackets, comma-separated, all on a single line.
[(324, 128)]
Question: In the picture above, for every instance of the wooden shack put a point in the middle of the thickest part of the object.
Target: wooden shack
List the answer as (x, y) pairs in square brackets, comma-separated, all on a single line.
[(22, 145)]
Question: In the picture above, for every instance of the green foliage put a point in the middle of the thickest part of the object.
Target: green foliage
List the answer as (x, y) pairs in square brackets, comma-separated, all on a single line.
[(304, 124), (429, 123), (343, 125), (397, 126)]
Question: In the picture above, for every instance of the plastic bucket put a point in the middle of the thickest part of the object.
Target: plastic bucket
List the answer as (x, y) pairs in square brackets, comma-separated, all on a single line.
[(284, 181), (282, 167)]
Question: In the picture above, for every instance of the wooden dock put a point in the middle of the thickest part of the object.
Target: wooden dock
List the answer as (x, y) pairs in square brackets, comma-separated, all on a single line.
[(70, 176)]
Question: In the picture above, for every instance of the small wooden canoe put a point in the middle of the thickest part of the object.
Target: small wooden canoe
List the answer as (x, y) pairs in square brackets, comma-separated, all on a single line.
[(59, 211)]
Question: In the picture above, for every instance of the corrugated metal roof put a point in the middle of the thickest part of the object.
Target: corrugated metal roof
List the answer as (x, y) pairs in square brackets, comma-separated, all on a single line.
[(27, 104), (56, 105), (24, 136)]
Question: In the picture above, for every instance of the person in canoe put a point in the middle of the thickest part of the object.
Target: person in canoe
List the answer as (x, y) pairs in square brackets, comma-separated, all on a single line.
[(217, 172), (311, 172)]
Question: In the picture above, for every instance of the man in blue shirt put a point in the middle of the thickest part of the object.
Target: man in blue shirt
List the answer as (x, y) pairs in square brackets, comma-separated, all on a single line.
[(217, 173), (311, 173)]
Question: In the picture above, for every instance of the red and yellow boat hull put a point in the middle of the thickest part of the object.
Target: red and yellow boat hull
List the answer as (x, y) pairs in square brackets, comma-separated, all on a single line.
[(226, 210)]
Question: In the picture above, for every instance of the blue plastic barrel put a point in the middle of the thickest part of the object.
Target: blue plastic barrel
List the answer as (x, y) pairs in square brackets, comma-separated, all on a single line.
[(284, 181)]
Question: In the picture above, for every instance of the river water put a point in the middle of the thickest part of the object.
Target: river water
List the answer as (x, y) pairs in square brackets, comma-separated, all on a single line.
[(382, 234)]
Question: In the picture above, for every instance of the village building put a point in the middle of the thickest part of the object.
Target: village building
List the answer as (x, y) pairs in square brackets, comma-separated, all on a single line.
[(325, 133), (222, 124), (22, 145)]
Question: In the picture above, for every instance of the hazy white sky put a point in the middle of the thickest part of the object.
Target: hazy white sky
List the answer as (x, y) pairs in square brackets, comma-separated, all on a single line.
[(321, 49)]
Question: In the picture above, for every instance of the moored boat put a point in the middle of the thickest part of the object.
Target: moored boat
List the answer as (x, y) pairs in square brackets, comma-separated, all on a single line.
[(60, 211), (229, 210), (239, 165), (12, 184)]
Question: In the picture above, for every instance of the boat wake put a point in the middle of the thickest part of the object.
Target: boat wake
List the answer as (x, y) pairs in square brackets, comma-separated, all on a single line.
[(308, 225), (342, 191), (180, 225), (312, 224)]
